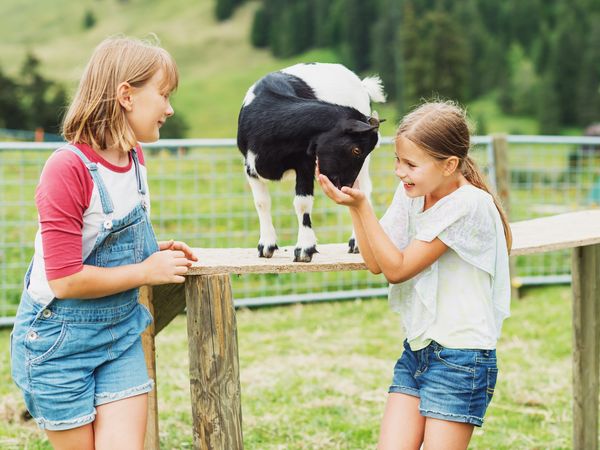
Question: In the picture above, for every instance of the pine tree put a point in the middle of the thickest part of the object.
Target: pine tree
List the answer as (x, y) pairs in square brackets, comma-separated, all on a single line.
[(224, 9), (384, 49), (442, 51), (355, 34), (588, 88), (12, 113), (259, 35)]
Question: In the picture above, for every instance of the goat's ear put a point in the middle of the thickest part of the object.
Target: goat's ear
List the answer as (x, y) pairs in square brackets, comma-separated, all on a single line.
[(357, 126)]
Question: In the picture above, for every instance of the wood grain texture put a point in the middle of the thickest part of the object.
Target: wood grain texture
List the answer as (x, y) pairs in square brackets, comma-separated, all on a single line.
[(214, 364), (586, 346), (152, 441), (558, 232)]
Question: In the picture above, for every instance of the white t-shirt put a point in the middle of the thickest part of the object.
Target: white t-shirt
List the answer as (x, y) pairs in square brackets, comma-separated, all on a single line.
[(461, 300)]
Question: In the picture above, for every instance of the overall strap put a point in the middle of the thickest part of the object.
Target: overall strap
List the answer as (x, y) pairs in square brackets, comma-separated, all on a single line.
[(107, 205), (141, 186)]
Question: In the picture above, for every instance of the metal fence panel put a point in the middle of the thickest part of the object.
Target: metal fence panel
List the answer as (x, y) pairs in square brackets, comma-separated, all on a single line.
[(200, 195)]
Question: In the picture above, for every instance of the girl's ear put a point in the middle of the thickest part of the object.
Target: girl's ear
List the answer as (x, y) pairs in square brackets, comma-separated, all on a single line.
[(124, 97), (450, 165)]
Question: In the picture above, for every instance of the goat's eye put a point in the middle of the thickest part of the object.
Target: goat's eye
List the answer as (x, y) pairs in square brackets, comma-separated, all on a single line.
[(356, 151)]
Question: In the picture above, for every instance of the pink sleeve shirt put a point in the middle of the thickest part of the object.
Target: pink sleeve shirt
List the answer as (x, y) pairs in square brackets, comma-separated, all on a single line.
[(70, 213)]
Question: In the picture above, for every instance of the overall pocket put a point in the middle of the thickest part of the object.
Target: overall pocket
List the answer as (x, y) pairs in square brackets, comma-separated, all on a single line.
[(43, 339), (121, 247)]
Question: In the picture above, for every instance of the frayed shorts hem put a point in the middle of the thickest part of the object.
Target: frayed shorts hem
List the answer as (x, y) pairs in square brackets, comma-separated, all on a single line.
[(61, 425), (108, 397), (478, 422), (394, 389)]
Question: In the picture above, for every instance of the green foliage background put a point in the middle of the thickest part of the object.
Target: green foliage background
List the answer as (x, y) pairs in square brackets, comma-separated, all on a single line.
[(521, 67)]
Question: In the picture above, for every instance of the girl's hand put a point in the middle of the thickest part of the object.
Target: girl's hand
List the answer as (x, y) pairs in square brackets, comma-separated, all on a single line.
[(178, 245), (166, 266), (350, 197)]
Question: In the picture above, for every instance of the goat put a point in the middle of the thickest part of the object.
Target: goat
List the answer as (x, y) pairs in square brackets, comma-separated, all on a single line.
[(291, 118)]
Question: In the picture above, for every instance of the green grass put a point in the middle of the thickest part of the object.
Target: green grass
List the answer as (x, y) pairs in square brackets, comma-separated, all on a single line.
[(315, 377)]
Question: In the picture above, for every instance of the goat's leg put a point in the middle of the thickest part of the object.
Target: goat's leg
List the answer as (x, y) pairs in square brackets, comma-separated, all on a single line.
[(267, 243), (363, 181), (306, 246)]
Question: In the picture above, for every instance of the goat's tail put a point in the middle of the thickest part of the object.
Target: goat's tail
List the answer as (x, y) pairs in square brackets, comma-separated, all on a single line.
[(374, 88)]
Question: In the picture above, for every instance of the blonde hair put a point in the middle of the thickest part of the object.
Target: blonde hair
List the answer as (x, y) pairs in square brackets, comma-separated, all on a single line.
[(440, 128), (95, 116)]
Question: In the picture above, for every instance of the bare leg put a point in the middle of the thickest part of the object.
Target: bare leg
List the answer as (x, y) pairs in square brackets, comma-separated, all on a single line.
[(80, 438), (267, 243), (402, 427), (447, 435), (122, 424)]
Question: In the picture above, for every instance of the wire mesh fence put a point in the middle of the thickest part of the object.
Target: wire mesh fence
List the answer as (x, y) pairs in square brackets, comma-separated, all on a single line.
[(200, 195)]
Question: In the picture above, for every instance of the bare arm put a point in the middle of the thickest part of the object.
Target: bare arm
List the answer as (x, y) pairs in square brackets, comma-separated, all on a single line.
[(378, 250), (341, 198), (165, 266), (398, 265)]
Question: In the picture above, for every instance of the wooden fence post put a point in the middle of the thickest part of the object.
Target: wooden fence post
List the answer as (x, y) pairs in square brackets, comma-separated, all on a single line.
[(152, 441), (586, 346), (214, 364), (502, 179)]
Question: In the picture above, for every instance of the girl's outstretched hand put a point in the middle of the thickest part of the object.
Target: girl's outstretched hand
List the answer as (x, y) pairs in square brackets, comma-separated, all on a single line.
[(178, 245), (346, 196), (166, 266)]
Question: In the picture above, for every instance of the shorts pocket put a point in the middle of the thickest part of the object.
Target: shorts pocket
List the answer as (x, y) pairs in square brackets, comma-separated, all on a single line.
[(462, 360), (492, 376), (43, 339)]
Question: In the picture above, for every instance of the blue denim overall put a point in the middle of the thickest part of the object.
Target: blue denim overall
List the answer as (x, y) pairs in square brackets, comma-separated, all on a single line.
[(74, 354)]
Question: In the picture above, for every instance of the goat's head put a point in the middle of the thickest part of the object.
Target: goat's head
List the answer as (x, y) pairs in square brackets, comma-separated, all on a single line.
[(342, 150)]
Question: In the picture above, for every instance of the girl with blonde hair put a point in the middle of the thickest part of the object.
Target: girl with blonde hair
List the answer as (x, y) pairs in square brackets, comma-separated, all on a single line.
[(443, 245), (76, 351)]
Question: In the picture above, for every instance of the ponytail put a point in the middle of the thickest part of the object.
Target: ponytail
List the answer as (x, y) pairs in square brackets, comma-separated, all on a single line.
[(474, 176)]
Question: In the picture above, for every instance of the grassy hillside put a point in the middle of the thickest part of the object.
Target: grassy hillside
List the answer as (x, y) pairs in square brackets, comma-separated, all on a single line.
[(216, 61)]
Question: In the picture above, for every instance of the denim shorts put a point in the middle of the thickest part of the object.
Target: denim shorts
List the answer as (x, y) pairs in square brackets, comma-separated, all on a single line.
[(452, 384), (66, 360)]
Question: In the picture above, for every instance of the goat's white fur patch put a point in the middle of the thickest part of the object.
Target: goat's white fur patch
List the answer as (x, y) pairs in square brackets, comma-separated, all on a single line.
[(262, 202), (334, 83), (251, 165), (250, 95), (303, 204)]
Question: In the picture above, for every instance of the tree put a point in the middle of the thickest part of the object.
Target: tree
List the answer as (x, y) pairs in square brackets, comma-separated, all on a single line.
[(384, 49), (442, 53), (548, 105), (224, 9), (89, 19), (12, 114), (259, 36), (588, 89), (355, 35)]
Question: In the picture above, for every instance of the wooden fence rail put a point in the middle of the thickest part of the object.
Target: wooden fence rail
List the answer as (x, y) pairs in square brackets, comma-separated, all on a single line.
[(212, 333)]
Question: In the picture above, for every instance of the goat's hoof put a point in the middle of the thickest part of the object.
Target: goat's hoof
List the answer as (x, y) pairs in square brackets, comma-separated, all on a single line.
[(266, 251), (352, 246), (304, 254)]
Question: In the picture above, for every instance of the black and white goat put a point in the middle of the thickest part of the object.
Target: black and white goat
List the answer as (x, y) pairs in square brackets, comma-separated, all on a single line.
[(292, 117)]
